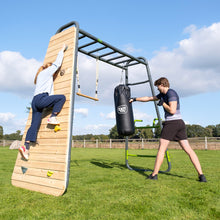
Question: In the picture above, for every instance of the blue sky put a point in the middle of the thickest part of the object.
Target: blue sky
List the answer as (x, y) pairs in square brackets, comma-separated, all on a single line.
[(180, 39)]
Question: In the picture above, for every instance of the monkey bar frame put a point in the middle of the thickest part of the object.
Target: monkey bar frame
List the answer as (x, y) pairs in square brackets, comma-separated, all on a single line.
[(101, 50)]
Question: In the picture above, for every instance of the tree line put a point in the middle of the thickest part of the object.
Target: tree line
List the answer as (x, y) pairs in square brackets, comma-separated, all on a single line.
[(146, 133), (192, 131), (13, 136)]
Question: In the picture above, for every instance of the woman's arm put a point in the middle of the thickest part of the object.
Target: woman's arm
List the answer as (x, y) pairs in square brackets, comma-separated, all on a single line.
[(58, 62), (59, 58)]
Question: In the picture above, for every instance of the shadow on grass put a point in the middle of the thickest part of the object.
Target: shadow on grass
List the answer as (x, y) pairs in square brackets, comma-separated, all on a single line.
[(109, 165)]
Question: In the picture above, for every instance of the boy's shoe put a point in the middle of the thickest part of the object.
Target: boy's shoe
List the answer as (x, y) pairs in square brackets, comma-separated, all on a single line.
[(202, 178), (53, 121), (23, 152), (152, 177)]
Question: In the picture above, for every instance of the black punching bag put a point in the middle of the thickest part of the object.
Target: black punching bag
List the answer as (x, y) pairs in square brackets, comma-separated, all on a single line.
[(123, 110)]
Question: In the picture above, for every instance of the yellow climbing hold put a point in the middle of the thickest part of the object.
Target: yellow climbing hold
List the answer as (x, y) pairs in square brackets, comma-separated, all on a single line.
[(57, 128), (49, 173)]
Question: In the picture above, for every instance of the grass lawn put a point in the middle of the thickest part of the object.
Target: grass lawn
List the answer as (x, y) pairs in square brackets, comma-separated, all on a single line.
[(101, 187)]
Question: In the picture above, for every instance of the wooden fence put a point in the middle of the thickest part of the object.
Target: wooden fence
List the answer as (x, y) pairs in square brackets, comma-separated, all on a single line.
[(4, 143), (203, 143)]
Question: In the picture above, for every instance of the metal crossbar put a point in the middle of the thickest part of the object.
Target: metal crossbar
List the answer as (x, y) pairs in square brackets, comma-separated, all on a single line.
[(114, 57), (138, 83)]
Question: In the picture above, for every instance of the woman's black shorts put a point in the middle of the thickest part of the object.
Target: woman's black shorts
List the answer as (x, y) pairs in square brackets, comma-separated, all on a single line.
[(174, 130)]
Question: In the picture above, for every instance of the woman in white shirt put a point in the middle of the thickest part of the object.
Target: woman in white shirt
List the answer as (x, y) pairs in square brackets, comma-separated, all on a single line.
[(44, 98)]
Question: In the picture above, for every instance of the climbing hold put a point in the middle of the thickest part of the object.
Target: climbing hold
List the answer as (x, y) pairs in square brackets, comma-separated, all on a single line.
[(57, 128), (62, 72), (24, 169), (49, 173)]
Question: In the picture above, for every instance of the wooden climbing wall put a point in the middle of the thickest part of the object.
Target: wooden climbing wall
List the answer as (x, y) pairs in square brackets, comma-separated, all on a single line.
[(47, 170)]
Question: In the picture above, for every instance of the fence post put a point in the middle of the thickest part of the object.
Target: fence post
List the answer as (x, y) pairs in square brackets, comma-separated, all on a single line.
[(110, 143), (142, 143), (97, 143), (84, 143), (206, 145), (72, 143)]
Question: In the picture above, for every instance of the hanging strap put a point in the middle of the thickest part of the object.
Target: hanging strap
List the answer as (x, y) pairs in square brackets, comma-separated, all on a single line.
[(122, 74), (77, 77), (78, 85), (97, 78), (121, 80)]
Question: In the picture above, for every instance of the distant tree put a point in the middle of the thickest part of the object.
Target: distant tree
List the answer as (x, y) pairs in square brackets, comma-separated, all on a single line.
[(157, 131), (1, 132), (90, 137), (113, 133), (104, 137), (143, 132), (101, 137), (13, 136), (146, 133), (216, 131), (196, 131), (28, 108), (83, 137), (209, 130), (192, 131)]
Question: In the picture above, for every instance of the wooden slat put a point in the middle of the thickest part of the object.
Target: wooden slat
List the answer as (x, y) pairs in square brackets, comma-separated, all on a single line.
[(41, 164), (48, 135), (40, 173), (45, 128), (63, 91), (50, 153), (38, 188), (64, 78), (50, 149), (63, 119), (62, 85), (52, 142), (43, 181), (52, 55)]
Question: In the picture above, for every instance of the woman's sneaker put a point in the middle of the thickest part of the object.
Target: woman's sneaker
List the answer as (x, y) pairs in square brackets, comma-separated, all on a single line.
[(23, 152), (53, 121)]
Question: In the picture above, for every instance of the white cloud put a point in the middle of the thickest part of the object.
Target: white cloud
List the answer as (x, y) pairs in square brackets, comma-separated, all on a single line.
[(97, 128), (129, 48), (139, 115), (5, 117), (82, 111), (110, 115), (17, 73), (194, 66), (11, 123)]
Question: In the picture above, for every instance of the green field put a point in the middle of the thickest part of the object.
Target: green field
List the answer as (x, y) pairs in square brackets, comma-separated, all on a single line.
[(101, 187)]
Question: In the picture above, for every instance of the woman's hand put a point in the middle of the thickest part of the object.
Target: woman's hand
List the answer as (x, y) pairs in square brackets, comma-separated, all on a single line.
[(64, 47)]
